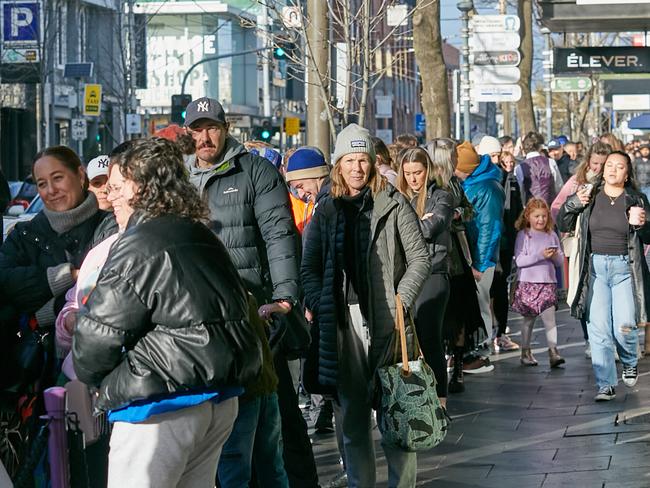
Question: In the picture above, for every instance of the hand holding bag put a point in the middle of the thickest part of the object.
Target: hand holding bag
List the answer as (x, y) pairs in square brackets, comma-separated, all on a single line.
[(409, 416)]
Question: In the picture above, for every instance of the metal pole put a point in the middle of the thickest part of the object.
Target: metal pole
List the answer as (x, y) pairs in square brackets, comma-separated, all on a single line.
[(505, 106), (457, 104), (133, 102), (215, 58), (266, 61), (548, 78), (465, 7), (318, 132)]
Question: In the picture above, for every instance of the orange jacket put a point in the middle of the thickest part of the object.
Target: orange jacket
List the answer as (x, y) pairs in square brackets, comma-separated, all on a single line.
[(301, 211)]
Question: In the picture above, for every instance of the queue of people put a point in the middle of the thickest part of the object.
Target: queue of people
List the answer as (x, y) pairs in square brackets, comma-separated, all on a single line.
[(154, 276)]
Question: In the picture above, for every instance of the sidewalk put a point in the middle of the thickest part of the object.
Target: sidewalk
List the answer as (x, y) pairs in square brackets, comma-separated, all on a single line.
[(534, 427)]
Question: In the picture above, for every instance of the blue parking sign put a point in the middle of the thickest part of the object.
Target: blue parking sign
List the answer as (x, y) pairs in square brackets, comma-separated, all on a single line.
[(21, 22)]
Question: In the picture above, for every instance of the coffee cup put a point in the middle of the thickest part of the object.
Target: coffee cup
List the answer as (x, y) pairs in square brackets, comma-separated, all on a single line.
[(635, 215)]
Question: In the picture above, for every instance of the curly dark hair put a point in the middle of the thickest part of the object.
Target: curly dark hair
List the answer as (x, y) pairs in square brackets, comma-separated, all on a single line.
[(155, 165)]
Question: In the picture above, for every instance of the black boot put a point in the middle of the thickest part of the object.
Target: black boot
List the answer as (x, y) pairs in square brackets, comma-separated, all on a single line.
[(324, 423), (456, 384)]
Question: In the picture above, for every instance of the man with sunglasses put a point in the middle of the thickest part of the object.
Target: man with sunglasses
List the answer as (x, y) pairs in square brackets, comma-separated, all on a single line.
[(250, 213)]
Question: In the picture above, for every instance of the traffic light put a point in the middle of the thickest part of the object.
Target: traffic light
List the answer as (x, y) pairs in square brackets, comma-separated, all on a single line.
[(264, 132), (283, 50), (179, 104)]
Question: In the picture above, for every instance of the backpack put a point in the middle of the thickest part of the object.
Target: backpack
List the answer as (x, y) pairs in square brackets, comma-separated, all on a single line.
[(538, 179)]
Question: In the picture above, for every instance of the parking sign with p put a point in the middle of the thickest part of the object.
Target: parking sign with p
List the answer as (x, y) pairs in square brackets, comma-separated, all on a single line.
[(20, 23)]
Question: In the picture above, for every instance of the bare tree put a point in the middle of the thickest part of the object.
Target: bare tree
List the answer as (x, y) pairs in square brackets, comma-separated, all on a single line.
[(525, 112), (427, 42)]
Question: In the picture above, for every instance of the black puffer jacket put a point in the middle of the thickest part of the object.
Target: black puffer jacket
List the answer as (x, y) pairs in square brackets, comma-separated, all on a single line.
[(32, 252), (250, 213), (169, 313), (436, 229), (637, 237)]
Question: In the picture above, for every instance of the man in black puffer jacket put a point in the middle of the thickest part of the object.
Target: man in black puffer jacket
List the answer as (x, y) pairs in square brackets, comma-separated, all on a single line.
[(250, 213)]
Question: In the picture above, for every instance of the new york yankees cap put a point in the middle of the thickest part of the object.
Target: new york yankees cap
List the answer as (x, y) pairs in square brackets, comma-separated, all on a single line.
[(204, 108), (98, 166)]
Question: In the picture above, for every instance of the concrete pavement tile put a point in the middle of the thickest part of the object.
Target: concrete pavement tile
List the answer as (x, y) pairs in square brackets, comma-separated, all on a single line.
[(533, 466), (613, 477)]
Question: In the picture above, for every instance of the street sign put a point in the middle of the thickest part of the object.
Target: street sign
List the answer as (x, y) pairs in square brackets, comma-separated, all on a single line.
[(602, 60), (292, 17), (21, 32), (494, 75), (420, 123), (631, 103), (383, 106), (92, 100), (495, 23), (495, 58), (292, 126), (495, 41), (79, 129), (574, 84), (495, 93), (397, 15), (133, 124), (20, 55)]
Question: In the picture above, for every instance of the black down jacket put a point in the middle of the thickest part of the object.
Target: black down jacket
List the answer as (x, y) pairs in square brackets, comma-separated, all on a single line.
[(169, 314), (637, 237), (436, 228), (250, 213)]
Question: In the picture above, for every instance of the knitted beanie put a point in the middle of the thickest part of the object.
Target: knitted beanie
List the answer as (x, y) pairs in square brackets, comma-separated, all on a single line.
[(488, 145), (306, 162), (468, 160), (353, 139)]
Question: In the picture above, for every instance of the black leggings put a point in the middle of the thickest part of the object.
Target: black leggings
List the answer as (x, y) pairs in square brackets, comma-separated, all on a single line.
[(429, 316), (499, 292)]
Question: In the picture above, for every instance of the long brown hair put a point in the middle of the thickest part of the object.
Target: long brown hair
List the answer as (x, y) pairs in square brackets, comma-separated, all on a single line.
[(533, 204), (376, 182), (416, 155), (600, 148)]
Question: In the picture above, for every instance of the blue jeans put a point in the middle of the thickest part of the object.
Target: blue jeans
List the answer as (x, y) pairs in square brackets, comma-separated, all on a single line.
[(612, 318), (256, 438)]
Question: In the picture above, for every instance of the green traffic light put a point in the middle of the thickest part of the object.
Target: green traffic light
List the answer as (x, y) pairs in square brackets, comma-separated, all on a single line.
[(280, 53), (266, 134)]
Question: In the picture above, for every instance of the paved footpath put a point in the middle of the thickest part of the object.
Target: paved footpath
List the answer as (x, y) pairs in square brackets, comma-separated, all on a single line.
[(534, 427)]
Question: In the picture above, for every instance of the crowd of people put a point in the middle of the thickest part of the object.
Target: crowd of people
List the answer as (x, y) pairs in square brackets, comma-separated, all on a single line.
[(163, 270)]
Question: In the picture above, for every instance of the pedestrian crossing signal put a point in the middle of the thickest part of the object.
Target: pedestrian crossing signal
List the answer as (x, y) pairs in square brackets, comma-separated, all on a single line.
[(283, 50), (179, 106)]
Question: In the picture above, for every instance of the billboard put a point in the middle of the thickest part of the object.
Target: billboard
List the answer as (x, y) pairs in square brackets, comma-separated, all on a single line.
[(601, 60)]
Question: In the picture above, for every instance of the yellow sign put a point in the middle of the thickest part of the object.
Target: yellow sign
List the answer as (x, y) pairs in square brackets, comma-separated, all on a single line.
[(292, 126), (92, 100)]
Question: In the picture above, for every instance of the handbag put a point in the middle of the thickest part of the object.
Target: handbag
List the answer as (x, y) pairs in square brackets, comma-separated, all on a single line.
[(571, 247), (409, 416), (289, 334)]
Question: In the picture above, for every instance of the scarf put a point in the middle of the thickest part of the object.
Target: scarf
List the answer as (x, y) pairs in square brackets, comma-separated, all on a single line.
[(62, 222)]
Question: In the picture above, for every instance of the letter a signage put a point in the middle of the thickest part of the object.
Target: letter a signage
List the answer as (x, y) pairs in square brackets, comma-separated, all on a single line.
[(602, 60), (92, 100)]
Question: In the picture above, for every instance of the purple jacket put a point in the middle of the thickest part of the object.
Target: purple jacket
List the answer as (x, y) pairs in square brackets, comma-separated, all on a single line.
[(533, 266)]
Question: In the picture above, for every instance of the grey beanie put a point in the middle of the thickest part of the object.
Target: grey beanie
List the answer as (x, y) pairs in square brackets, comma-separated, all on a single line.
[(353, 139)]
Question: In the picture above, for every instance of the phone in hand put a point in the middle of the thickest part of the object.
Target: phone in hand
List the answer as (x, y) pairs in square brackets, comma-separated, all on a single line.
[(587, 187)]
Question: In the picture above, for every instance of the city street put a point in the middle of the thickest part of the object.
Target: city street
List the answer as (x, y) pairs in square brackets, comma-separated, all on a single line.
[(530, 427)]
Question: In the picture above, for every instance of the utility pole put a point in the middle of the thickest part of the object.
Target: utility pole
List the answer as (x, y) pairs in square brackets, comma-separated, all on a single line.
[(465, 8), (506, 109), (318, 132), (266, 62), (133, 102)]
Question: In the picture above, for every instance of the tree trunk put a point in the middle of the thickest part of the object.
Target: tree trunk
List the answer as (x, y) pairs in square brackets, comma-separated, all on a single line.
[(525, 112), (365, 63), (427, 42)]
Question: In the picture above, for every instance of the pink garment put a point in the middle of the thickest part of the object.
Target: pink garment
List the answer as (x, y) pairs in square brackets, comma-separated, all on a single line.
[(569, 188), (533, 266), (387, 172), (88, 274)]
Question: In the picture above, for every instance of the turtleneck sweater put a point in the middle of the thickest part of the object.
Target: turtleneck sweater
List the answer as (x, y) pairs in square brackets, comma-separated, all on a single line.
[(62, 222)]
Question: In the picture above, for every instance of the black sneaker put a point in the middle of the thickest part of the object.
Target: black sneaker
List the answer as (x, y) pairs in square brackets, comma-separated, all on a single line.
[(630, 375), (605, 394)]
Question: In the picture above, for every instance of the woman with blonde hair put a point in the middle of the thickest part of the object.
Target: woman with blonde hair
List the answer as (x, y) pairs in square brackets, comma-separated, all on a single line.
[(423, 186), (363, 246)]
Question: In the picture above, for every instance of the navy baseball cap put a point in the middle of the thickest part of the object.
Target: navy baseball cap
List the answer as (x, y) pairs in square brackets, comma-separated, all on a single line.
[(204, 108), (554, 144)]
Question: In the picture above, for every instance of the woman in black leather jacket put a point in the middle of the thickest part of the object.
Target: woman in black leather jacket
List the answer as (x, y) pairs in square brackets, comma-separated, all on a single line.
[(166, 334), (434, 205), (40, 260)]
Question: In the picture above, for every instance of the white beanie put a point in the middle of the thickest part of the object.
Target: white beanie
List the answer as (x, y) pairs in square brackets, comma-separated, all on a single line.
[(489, 145), (353, 139)]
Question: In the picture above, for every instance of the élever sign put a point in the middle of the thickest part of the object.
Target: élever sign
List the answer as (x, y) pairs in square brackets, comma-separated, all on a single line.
[(602, 60)]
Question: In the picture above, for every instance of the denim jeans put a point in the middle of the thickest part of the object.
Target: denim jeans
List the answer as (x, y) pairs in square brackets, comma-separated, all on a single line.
[(256, 438), (612, 319)]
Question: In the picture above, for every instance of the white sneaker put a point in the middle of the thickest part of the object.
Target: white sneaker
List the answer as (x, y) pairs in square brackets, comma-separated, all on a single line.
[(630, 375), (588, 351)]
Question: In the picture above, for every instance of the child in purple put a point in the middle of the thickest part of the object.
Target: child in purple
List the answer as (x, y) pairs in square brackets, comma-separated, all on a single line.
[(537, 254)]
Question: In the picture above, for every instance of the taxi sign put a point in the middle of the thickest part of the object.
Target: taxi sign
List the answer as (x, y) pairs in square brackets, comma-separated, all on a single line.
[(292, 126), (92, 100)]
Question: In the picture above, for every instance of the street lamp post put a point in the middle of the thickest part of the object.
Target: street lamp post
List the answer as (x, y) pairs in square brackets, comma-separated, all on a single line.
[(465, 7)]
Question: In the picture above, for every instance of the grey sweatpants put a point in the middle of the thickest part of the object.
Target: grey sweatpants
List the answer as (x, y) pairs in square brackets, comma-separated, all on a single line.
[(354, 414), (175, 449)]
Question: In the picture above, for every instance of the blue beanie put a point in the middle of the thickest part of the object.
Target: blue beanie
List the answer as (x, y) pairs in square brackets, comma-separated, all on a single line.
[(306, 162)]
